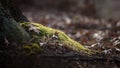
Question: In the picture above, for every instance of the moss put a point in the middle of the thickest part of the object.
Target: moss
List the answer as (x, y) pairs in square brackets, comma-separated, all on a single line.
[(32, 48), (62, 37)]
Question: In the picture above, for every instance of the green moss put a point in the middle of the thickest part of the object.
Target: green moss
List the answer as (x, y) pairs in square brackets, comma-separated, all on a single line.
[(62, 37), (32, 48)]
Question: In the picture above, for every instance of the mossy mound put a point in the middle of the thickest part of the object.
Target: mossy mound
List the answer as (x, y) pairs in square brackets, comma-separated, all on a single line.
[(39, 32)]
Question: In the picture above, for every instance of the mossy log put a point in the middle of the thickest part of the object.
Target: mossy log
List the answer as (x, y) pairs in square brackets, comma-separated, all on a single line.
[(38, 32)]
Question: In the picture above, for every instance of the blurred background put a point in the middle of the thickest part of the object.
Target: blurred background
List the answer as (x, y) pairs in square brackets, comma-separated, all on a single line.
[(93, 8)]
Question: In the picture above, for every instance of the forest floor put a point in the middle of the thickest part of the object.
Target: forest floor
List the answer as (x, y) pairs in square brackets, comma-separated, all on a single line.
[(96, 34), (100, 35)]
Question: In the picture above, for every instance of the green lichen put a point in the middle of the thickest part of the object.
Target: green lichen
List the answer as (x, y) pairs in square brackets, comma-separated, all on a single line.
[(62, 37)]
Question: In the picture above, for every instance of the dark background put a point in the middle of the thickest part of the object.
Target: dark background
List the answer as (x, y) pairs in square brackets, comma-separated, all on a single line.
[(104, 8)]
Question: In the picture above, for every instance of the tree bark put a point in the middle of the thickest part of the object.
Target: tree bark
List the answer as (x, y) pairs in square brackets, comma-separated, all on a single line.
[(10, 29), (13, 11)]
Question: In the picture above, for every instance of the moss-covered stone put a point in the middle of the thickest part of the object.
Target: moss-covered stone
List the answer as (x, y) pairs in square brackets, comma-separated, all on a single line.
[(38, 31)]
